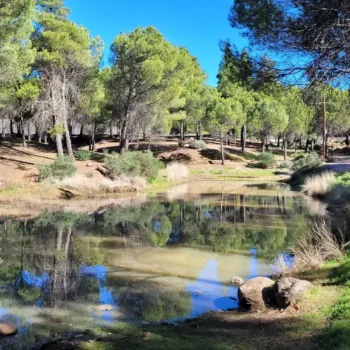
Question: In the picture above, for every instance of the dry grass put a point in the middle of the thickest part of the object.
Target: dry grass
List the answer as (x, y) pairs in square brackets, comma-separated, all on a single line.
[(319, 185), (177, 171), (315, 248), (98, 184)]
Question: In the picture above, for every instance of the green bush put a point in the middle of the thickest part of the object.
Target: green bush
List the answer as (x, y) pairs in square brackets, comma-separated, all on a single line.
[(309, 162), (62, 167), (344, 179), (285, 165), (266, 160), (82, 155), (133, 164), (198, 144)]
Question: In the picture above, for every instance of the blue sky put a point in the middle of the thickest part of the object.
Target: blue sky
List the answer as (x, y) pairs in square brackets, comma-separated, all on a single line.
[(198, 25)]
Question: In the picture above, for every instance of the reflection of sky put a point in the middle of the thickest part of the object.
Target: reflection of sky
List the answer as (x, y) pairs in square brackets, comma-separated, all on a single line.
[(254, 265), (100, 273), (209, 294)]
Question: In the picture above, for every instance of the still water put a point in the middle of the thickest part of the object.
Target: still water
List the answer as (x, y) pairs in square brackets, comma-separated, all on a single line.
[(169, 258)]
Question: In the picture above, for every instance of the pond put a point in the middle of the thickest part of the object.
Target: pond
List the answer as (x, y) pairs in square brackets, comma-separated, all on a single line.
[(169, 258)]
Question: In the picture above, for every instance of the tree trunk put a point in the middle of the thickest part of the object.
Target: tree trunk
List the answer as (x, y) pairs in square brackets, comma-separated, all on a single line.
[(59, 145), (267, 142), (24, 143), (222, 149), (263, 144), (111, 130), (312, 145), (182, 135), (197, 132), (285, 146), (45, 138), (81, 133), (200, 130), (40, 135), (226, 142), (3, 128), (307, 146), (347, 142), (243, 137), (68, 138), (123, 145), (11, 127), (278, 141), (28, 130), (92, 144)]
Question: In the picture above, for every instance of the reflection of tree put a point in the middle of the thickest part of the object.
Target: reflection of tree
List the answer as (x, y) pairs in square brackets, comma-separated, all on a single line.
[(154, 304)]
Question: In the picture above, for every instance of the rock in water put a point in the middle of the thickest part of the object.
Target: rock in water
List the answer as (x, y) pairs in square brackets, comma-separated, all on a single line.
[(237, 281), (7, 328), (256, 293), (290, 290)]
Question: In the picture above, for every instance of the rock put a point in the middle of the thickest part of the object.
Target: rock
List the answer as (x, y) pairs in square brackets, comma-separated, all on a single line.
[(256, 293), (7, 328), (90, 164), (103, 308), (290, 290), (237, 281)]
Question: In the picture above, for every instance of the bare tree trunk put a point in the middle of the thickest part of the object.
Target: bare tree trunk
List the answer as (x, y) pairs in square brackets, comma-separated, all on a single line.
[(3, 128), (59, 145), (222, 149), (263, 144), (182, 136), (124, 143), (197, 132), (40, 135), (81, 133), (267, 142), (11, 127), (24, 143), (285, 146), (28, 130), (226, 139), (92, 144), (111, 130), (68, 138), (45, 138), (243, 137)]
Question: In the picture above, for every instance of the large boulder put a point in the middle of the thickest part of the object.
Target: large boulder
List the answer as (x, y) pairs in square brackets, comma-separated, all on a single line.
[(256, 293), (288, 290), (237, 281)]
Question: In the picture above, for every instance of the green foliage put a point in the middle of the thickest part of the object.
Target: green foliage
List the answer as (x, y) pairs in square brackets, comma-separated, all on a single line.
[(62, 167), (29, 294), (343, 179), (285, 165), (56, 130), (82, 155), (133, 164), (198, 144), (311, 161), (266, 160)]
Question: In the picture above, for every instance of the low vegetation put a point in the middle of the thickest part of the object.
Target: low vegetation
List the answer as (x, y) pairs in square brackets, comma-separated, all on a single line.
[(61, 168), (89, 185), (266, 160), (198, 144), (82, 155), (140, 164), (319, 185)]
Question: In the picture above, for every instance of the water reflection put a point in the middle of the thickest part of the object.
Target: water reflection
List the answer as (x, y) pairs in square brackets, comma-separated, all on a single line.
[(159, 261)]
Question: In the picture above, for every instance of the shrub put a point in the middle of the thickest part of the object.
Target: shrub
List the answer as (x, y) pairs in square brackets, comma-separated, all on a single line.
[(133, 164), (62, 167), (182, 144), (311, 161), (266, 160), (82, 155), (176, 171), (344, 179), (198, 144), (99, 184), (285, 165), (319, 185)]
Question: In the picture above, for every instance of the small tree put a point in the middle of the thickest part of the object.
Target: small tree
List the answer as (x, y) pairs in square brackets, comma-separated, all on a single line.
[(225, 114)]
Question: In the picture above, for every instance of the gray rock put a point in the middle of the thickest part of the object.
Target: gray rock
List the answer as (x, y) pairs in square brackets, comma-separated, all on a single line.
[(237, 281), (290, 290), (7, 328), (256, 293)]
